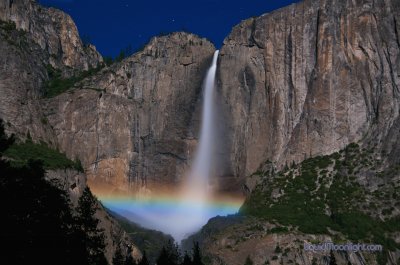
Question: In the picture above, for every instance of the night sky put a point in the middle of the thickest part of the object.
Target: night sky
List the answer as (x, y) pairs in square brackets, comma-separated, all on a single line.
[(112, 25)]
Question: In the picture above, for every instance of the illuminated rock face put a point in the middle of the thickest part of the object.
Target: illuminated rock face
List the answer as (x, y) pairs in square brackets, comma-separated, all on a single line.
[(32, 38), (54, 31), (135, 123), (301, 81), (309, 79)]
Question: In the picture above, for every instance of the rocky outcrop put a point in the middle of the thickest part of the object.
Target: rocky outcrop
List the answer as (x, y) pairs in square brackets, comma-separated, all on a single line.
[(54, 31), (136, 121), (23, 65), (114, 236), (326, 199), (230, 240), (69, 180), (308, 79), (33, 37)]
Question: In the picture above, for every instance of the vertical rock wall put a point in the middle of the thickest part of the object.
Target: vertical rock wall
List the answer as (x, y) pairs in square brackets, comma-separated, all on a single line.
[(310, 78)]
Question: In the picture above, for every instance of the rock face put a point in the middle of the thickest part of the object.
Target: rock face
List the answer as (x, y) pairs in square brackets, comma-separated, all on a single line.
[(302, 81), (230, 240), (33, 37), (54, 31), (310, 78), (21, 77), (135, 122)]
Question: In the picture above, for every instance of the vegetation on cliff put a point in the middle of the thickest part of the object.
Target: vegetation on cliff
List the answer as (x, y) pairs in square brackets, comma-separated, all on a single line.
[(324, 194), (20, 153), (146, 240), (171, 255), (12, 35), (58, 84)]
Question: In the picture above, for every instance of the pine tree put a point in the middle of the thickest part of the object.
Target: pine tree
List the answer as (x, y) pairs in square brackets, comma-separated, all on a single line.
[(197, 258), (144, 260), (248, 261), (187, 260), (174, 255), (163, 257), (93, 236), (169, 255)]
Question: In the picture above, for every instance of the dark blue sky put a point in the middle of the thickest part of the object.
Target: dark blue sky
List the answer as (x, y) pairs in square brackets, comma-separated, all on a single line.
[(114, 24)]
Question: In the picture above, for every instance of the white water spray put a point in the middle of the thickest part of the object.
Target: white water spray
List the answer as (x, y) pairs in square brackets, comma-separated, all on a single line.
[(196, 189), (194, 207), (202, 168)]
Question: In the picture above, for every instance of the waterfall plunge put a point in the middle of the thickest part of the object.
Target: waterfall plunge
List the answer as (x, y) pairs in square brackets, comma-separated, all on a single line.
[(198, 182), (185, 213), (196, 189)]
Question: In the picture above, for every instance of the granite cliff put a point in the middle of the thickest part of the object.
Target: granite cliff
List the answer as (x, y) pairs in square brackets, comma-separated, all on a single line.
[(298, 83), (309, 79), (33, 38), (133, 124), (302, 81), (300, 86)]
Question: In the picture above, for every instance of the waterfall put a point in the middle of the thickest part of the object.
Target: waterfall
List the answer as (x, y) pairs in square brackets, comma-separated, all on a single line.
[(187, 211), (202, 168)]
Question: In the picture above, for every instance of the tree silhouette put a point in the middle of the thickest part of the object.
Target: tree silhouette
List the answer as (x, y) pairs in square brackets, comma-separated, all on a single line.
[(38, 227), (93, 236), (174, 255), (197, 257), (169, 255), (187, 260), (124, 53), (163, 257), (144, 260)]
